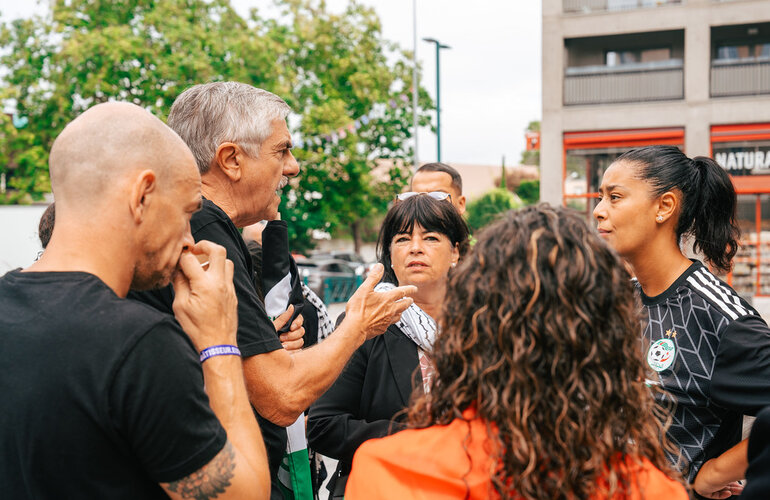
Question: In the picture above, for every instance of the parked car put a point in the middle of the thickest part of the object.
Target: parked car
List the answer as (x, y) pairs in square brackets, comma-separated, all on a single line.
[(352, 258), (333, 280)]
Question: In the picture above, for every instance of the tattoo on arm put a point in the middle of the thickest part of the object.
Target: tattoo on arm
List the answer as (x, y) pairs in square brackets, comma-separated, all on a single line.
[(211, 480)]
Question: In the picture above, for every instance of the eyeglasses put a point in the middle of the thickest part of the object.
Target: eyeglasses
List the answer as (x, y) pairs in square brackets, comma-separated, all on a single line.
[(436, 195)]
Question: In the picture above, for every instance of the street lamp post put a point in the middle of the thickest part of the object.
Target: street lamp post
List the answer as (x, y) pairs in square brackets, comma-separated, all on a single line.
[(439, 46), (415, 86)]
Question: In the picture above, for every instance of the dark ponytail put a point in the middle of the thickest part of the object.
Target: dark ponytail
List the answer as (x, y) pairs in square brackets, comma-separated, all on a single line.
[(708, 198)]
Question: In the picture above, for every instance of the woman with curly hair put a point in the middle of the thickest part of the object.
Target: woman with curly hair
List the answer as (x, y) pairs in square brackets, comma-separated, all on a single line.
[(539, 389)]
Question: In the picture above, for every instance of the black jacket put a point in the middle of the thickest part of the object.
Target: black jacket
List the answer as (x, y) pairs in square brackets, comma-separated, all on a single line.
[(367, 399)]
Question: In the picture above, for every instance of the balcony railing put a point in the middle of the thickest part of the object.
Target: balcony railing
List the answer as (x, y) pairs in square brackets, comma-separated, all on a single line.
[(659, 81), (588, 6), (733, 78)]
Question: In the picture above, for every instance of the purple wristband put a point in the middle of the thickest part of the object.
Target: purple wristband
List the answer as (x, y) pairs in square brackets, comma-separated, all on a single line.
[(219, 350)]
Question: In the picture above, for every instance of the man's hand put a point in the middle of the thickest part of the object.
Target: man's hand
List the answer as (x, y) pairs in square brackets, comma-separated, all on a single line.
[(372, 311), (293, 339), (205, 304)]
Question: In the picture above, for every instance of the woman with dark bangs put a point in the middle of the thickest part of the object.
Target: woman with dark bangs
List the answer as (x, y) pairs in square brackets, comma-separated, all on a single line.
[(539, 388), (421, 240)]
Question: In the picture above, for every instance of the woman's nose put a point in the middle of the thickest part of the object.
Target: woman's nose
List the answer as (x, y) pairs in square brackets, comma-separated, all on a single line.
[(598, 211), (415, 246)]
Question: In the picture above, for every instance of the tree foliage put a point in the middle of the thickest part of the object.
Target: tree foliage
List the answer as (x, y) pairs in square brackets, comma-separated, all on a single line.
[(83, 53), (331, 68), (489, 206), (529, 191), (355, 92)]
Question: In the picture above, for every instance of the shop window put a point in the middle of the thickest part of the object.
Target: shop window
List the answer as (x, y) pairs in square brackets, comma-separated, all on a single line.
[(743, 150), (585, 169), (751, 266)]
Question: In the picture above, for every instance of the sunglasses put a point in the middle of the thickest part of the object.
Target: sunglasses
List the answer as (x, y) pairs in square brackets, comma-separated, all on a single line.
[(436, 195)]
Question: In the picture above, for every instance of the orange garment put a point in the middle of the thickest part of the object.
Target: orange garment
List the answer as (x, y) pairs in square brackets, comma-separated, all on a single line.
[(431, 463)]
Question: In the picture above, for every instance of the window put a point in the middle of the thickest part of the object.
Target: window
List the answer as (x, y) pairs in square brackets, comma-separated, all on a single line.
[(622, 57), (743, 51)]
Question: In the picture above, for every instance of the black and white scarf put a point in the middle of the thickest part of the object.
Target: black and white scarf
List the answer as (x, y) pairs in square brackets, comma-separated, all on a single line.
[(415, 323), (325, 325)]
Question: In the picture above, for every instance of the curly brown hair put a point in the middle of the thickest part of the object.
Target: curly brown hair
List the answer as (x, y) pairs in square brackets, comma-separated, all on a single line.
[(542, 339)]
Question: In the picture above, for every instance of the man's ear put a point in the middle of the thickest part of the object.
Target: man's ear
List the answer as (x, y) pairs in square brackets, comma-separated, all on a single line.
[(228, 158), (143, 189), (461, 204)]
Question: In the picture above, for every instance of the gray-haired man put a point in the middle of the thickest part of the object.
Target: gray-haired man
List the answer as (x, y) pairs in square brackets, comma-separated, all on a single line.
[(242, 146)]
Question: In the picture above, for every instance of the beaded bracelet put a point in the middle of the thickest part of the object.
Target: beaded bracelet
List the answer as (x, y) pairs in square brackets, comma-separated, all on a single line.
[(219, 350)]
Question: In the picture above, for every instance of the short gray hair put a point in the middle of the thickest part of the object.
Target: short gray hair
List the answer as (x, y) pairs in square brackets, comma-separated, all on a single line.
[(207, 115)]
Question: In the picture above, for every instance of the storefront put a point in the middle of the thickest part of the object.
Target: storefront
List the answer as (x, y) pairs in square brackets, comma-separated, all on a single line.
[(744, 151), (588, 154)]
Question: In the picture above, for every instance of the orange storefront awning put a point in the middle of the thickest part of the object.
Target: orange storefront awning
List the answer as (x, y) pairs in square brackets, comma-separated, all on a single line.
[(741, 132), (629, 138)]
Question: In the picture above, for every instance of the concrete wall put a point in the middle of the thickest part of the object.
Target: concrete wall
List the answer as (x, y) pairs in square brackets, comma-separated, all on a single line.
[(696, 113)]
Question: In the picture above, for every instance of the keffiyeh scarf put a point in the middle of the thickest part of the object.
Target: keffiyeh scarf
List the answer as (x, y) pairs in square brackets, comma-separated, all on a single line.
[(415, 323)]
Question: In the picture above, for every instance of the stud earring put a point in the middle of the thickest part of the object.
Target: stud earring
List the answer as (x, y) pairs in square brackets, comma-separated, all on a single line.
[(454, 264), (659, 218)]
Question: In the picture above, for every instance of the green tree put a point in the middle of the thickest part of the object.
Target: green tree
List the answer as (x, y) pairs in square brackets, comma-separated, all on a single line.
[(139, 51), (21, 158), (354, 90), (335, 70), (529, 191), (489, 206)]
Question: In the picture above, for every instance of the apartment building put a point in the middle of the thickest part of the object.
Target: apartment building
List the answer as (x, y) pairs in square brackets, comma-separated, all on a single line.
[(692, 73)]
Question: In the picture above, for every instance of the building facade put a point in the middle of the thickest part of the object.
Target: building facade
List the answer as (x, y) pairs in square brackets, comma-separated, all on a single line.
[(619, 74)]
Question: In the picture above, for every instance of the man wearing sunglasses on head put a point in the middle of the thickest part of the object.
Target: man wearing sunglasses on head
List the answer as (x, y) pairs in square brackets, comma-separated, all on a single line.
[(437, 178)]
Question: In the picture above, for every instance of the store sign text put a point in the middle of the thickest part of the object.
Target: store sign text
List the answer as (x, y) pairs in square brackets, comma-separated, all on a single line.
[(744, 160)]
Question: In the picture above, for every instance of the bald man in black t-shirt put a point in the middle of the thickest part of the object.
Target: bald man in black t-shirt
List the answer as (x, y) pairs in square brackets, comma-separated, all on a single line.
[(103, 397)]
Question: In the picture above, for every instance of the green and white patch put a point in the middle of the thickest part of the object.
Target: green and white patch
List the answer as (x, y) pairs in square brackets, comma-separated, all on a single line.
[(661, 354)]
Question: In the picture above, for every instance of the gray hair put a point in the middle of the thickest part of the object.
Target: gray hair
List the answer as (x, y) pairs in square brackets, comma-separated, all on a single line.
[(208, 115)]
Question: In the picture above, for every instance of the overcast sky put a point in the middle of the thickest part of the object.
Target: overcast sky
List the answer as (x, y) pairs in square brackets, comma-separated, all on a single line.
[(490, 78)]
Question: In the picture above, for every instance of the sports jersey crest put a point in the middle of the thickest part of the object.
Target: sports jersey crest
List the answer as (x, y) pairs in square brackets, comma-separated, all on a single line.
[(661, 354)]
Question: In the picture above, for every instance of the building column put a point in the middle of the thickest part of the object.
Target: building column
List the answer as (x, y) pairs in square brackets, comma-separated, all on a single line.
[(551, 175), (697, 78)]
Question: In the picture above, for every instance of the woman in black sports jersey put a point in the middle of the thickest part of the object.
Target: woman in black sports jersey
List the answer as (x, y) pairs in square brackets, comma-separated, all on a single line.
[(705, 345)]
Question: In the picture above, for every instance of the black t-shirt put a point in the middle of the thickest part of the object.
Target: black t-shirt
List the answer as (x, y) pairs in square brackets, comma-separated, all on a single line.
[(102, 397), (711, 352), (256, 333)]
